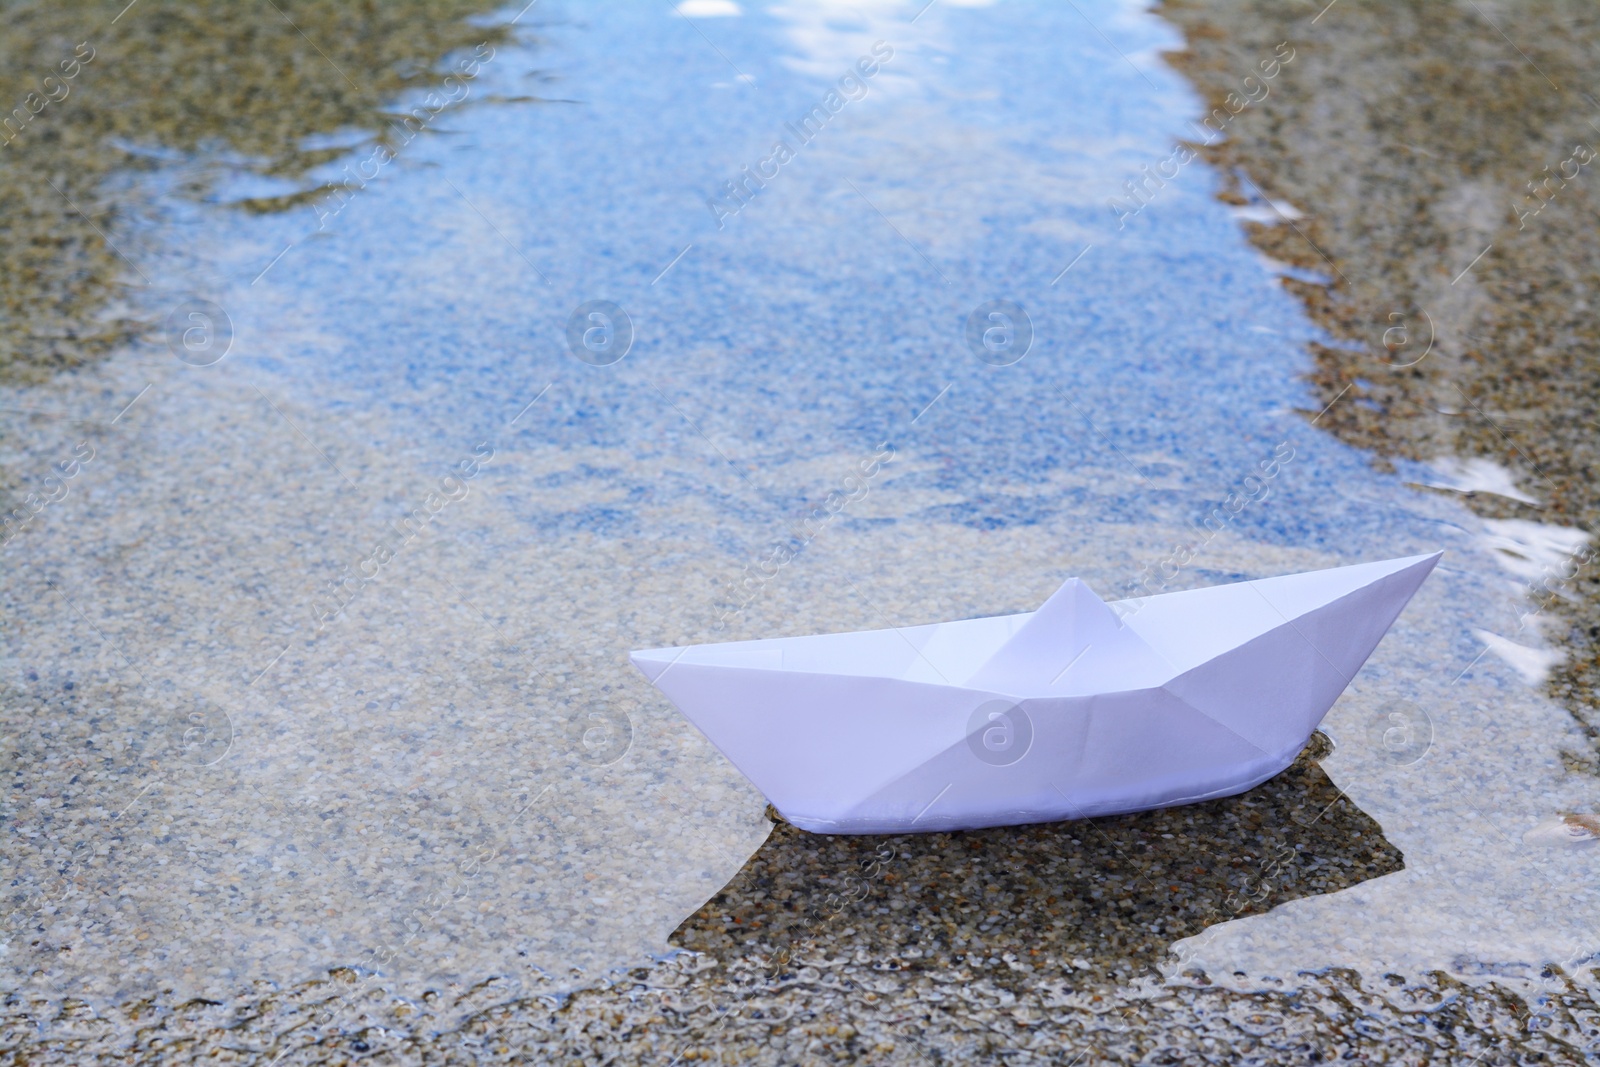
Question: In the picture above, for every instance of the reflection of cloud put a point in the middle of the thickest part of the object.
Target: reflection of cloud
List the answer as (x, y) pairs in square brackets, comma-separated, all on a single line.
[(1538, 554), (1477, 475), (1534, 664), (1051, 179), (1533, 550), (1269, 212), (709, 9), (830, 34)]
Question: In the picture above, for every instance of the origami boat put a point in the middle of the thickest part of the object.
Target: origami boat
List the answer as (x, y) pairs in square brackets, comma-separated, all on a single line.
[(1080, 708)]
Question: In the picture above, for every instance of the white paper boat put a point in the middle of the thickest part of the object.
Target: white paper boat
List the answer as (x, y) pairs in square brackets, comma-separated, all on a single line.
[(1080, 708)]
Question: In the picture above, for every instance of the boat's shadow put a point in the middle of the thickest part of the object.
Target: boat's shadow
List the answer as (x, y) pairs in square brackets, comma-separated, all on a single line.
[(1101, 899)]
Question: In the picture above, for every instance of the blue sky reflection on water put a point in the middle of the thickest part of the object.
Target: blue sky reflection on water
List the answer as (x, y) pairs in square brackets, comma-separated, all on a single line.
[(422, 751)]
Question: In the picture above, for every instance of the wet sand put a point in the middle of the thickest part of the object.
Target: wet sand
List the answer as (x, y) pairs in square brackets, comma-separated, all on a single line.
[(101, 100)]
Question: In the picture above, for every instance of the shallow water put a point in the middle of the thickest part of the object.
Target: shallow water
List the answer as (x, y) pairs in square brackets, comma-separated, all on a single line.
[(226, 767)]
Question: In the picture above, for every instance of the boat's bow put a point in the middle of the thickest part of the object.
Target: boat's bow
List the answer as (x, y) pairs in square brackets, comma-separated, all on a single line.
[(1268, 658)]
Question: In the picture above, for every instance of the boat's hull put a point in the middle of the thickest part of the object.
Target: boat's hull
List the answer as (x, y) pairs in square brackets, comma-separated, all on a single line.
[(905, 757), (1147, 795)]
